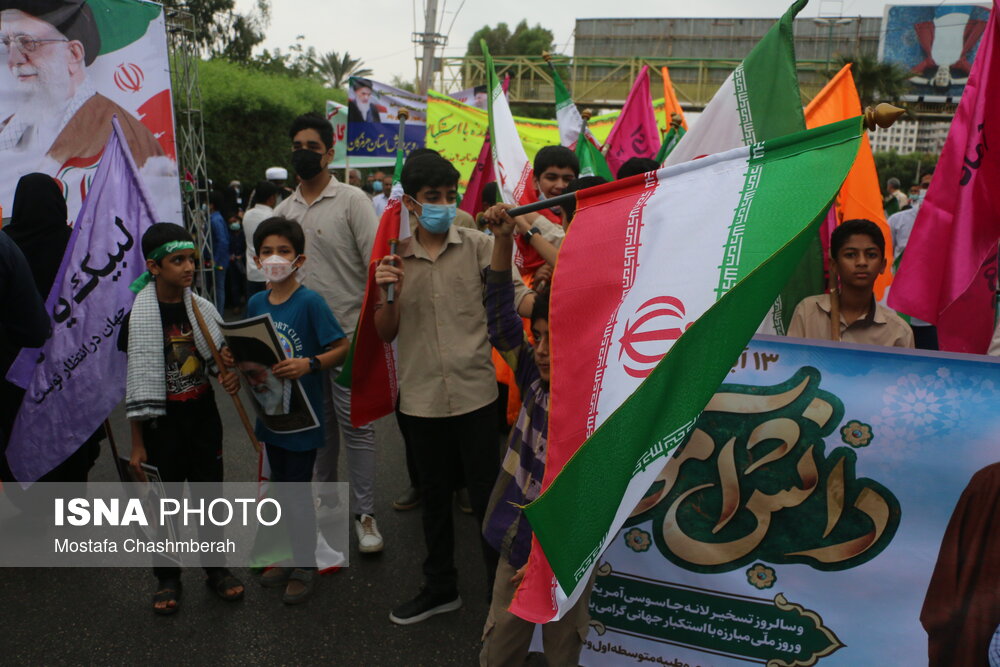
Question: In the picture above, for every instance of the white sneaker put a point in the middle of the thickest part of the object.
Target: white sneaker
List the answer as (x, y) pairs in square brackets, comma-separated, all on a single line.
[(369, 539)]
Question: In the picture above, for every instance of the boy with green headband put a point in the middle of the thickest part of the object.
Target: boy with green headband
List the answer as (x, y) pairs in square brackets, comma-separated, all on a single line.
[(168, 398)]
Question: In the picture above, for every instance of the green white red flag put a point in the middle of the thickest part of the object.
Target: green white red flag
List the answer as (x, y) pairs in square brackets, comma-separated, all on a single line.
[(759, 101), (510, 162), (670, 141), (375, 385), (592, 163), (567, 115), (658, 288)]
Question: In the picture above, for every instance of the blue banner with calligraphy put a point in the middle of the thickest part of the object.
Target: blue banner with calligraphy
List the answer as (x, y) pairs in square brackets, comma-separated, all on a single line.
[(78, 377), (803, 520), (373, 122)]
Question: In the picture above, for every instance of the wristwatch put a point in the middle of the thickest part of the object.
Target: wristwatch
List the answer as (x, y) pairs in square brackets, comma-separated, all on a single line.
[(531, 232), (314, 365)]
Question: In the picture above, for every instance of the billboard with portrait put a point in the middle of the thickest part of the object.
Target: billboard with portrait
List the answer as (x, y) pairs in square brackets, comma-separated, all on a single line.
[(935, 43), (72, 65), (373, 122)]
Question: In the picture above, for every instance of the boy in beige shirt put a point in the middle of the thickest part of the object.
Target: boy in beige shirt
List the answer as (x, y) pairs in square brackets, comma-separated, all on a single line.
[(857, 250)]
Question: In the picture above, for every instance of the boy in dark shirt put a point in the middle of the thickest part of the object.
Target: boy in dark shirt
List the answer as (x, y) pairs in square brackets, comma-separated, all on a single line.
[(168, 398)]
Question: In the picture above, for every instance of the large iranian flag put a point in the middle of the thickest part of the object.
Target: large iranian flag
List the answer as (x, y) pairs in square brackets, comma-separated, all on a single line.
[(659, 286), (760, 99), (370, 369)]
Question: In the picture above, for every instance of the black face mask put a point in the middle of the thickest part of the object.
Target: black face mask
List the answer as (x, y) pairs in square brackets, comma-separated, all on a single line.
[(306, 163)]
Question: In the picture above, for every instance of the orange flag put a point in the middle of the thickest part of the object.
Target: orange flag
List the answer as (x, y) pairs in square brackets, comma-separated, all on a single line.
[(860, 196), (670, 103)]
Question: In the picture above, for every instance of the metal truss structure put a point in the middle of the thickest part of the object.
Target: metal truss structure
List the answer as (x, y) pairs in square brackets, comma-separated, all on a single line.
[(190, 138)]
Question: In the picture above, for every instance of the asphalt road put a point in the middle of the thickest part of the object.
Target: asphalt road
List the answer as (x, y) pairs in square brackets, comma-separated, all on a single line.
[(104, 616)]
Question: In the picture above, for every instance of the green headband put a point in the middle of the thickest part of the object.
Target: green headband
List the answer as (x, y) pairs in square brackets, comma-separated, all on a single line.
[(159, 253)]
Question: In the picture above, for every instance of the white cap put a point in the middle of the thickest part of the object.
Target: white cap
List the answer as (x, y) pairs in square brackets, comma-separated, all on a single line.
[(276, 174)]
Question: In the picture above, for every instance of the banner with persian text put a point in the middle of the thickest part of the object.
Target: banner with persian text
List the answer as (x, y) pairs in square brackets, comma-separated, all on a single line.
[(456, 130), (796, 525), (373, 122)]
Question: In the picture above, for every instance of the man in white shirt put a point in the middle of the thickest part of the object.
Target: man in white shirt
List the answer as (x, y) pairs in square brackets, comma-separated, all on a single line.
[(901, 226), (380, 200), (265, 196)]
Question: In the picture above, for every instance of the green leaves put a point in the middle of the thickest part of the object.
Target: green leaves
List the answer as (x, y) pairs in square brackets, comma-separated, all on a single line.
[(247, 114)]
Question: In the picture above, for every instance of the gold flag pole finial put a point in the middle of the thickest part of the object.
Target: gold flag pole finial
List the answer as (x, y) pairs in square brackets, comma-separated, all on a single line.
[(547, 56), (882, 115), (402, 114), (587, 114)]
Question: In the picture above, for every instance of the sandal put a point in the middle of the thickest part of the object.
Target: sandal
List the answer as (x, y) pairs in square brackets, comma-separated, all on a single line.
[(221, 580), (275, 577), (300, 586), (169, 590)]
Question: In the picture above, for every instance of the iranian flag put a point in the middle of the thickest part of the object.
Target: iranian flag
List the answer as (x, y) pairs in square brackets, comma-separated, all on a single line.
[(510, 163), (592, 163), (760, 99), (375, 385), (567, 115), (658, 288)]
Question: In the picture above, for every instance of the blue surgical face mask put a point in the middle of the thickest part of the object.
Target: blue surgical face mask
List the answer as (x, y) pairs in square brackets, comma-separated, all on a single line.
[(437, 218), (377, 186)]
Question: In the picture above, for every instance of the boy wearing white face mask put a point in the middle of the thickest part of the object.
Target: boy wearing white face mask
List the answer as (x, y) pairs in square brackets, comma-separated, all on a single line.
[(447, 382), (315, 342)]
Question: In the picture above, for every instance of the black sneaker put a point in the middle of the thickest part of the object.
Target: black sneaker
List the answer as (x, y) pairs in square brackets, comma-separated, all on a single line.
[(425, 605)]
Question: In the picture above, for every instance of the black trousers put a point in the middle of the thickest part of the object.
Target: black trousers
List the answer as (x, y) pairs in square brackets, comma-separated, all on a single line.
[(186, 446), (925, 337), (293, 470), (445, 450)]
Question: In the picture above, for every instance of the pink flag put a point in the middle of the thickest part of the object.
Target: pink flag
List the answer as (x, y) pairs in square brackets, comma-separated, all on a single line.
[(948, 270), (635, 133)]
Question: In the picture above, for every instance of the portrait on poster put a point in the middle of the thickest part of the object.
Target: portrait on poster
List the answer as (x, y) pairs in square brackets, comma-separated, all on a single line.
[(280, 404)]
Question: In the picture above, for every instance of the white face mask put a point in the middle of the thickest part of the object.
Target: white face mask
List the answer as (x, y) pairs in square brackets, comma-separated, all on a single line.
[(277, 268)]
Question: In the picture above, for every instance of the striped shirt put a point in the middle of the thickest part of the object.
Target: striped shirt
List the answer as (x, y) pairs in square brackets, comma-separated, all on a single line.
[(520, 481)]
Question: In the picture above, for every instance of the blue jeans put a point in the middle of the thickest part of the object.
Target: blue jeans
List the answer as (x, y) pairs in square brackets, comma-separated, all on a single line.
[(220, 289)]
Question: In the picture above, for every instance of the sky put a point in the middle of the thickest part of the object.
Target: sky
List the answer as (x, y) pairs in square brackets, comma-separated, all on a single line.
[(380, 31)]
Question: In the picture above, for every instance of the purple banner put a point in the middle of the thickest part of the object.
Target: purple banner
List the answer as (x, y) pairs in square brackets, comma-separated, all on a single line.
[(76, 379)]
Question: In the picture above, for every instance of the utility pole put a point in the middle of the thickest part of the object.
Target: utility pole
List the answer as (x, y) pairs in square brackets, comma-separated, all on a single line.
[(430, 39)]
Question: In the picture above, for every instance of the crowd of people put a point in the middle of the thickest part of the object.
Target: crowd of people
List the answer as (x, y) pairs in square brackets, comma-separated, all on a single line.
[(470, 302)]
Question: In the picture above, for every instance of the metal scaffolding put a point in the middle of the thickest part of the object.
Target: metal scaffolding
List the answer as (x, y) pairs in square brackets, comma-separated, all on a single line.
[(190, 136)]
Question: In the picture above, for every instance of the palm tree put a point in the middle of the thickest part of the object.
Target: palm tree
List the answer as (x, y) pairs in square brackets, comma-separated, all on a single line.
[(335, 70), (877, 81)]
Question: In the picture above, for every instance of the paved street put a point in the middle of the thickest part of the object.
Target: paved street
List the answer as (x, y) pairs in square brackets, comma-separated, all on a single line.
[(104, 616)]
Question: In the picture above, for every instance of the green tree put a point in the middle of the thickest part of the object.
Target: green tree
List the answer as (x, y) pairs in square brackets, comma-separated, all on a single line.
[(877, 81), (524, 41), (335, 69), (220, 30), (298, 62), (906, 167), (403, 83), (247, 113)]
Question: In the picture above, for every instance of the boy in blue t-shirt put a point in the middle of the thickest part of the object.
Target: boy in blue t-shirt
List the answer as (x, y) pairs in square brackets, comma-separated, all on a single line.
[(314, 343)]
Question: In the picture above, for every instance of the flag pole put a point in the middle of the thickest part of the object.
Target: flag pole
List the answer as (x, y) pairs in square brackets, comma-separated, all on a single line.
[(390, 292), (834, 304), (218, 362)]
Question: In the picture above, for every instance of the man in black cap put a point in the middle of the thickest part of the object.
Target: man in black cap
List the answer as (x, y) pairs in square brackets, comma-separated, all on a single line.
[(59, 124)]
